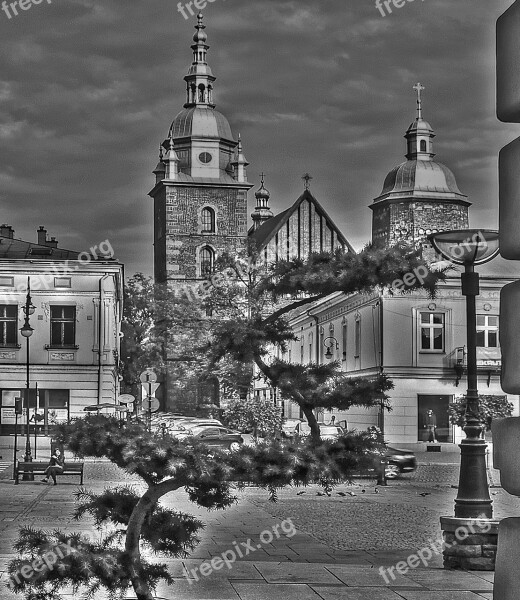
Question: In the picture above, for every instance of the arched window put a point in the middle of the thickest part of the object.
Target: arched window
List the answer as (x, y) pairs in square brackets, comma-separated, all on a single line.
[(202, 93), (208, 220), (424, 148), (207, 260)]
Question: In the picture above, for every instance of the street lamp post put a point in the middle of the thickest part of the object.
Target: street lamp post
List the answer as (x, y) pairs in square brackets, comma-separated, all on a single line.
[(470, 247), (26, 332)]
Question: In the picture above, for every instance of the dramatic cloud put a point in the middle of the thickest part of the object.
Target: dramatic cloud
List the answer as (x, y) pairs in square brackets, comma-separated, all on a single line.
[(89, 89)]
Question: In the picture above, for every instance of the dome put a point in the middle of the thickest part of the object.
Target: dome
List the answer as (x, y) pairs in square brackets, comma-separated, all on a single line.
[(201, 122), (421, 178)]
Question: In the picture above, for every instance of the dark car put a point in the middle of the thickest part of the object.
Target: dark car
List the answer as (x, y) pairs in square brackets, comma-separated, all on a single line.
[(215, 437), (399, 461)]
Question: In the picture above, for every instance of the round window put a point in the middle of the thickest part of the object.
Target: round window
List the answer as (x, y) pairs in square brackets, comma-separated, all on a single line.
[(205, 157)]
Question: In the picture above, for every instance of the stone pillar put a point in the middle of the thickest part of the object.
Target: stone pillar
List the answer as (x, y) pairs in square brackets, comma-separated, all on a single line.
[(469, 543)]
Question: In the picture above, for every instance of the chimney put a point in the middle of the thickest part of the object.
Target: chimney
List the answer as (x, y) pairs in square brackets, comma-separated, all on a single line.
[(52, 243), (42, 236), (7, 231)]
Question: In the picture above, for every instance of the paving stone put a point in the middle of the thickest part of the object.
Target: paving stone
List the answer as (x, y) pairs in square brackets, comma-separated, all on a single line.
[(239, 570), (266, 591), (439, 595), (439, 579), (352, 593), (356, 576), (296, 573)]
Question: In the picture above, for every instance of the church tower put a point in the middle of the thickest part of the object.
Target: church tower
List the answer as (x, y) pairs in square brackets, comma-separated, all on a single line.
[(200, 193), (420, 196)]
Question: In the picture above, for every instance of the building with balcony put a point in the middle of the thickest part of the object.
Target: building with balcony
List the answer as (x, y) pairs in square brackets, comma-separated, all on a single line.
[(74, 346)]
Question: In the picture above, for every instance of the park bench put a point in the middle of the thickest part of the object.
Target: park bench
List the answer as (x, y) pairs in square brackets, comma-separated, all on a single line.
[(38, 468)]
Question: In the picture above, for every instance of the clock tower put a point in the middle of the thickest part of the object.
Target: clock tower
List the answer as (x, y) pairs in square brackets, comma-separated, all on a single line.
[(200, 192)]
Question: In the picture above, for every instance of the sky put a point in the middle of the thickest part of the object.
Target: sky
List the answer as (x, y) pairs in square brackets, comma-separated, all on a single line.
[(88, 90)]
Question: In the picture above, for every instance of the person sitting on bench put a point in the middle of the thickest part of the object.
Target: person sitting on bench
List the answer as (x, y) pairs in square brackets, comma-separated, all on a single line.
[(55, 467)]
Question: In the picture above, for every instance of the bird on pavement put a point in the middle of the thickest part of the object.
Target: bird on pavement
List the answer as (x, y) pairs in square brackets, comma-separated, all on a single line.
[(341, 494), (320, 494), (351, 493), (363, 491), (423, 494), (300, 493), (376, 491)]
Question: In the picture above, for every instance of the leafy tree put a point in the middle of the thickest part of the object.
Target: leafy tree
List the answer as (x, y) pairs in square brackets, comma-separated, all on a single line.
[(160, 327), (253, 414), (253, 302), (490, 407), (128, 519)]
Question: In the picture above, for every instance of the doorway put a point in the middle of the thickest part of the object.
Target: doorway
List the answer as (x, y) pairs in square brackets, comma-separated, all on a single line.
[(439, 407)]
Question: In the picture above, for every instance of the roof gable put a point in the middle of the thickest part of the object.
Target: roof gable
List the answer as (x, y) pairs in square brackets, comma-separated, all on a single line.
[(267, 231)]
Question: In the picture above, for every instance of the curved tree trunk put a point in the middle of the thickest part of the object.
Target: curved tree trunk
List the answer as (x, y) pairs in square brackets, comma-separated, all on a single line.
[(313, 423), (133, 533)]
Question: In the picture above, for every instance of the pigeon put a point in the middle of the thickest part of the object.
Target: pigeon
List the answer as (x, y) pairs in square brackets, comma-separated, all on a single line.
[(300, 493), (363, 491), (351, 493), (376, 491), (423, 494), (320, 494), (341, 494)]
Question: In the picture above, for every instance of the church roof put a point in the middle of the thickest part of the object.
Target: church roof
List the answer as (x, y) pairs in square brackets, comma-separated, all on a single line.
[(421, 178), (268, 230), (200, 122)]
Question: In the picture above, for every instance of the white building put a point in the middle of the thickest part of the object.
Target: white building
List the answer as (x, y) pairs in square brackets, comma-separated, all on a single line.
[(74, 348)]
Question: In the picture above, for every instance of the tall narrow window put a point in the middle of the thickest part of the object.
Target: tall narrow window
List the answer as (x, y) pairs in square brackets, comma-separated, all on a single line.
[(432, 332), (208, 220), (344, 340), (423, 146), (207, 260), (487, 331), (8, 325), (357, 341), (63, 326)]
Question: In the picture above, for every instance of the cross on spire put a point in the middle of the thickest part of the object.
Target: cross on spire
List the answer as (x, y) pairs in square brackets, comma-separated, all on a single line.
[(307, 178), (418, 87)]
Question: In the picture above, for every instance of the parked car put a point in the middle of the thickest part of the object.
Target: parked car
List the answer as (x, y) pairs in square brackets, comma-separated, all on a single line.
[(399, 461), (330, 432), (198, 423), (215, 437), (290, 427)]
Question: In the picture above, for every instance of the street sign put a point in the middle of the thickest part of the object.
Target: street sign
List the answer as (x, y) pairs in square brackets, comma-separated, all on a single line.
[(148, 376), (149, 389), (151, 404), (126, 399)]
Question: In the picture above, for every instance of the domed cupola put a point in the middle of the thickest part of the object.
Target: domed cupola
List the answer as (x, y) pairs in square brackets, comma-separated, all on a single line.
[(202, 136), (419, 195), (262, 211)]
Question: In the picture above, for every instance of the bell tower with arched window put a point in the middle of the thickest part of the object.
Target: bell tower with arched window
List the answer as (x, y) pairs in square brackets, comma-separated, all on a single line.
[(200, 193)]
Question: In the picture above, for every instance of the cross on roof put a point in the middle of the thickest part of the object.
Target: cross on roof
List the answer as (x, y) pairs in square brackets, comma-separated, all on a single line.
[(307, 178), (418, 87)]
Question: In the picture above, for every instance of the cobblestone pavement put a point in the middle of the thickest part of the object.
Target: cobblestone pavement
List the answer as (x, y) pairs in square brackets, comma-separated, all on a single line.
[(338, 539)]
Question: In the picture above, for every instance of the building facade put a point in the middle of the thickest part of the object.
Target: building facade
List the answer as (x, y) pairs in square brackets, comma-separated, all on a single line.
[(74, 348), (417, 341)]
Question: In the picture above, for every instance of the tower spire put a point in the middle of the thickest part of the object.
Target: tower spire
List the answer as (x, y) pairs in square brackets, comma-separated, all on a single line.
[(418, 87), (262, 211), (199, 80), (420, 134)]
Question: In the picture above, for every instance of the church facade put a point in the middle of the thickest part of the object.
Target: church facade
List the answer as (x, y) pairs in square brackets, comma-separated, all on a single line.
[(201, 208)]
